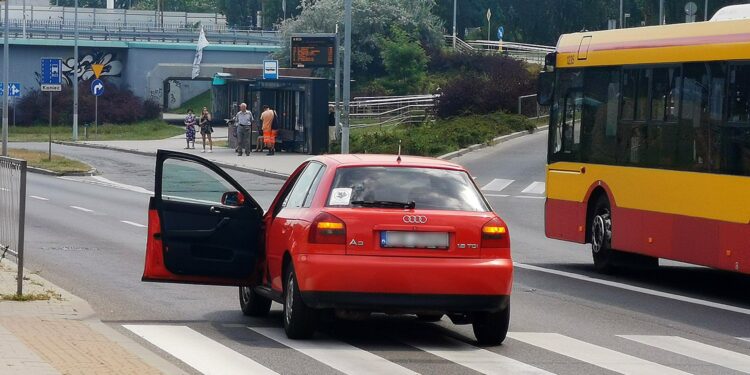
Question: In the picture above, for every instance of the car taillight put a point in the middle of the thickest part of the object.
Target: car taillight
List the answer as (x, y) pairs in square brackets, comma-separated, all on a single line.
[(495, 234), (328, 229)]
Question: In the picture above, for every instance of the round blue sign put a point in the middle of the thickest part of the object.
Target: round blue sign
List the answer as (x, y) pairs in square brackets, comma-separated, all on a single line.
[(97, 87), (500, 32)]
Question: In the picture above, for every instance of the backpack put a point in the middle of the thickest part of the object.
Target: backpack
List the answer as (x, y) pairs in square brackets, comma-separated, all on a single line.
[(275, 121)]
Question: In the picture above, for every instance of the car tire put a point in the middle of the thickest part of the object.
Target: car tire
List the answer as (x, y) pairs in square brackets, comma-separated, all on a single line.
[(491, 328), (252, 303), (605, 257), (430, 318), (300, 321)]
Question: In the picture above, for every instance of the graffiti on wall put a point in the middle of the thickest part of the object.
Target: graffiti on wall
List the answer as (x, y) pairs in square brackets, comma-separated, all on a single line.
[(112, 66)]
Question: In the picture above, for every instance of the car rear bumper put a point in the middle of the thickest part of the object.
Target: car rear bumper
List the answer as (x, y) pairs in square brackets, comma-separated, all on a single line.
[(440, 284)]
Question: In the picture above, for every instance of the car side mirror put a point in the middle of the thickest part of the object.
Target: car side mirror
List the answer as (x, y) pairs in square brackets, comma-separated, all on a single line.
[(233, 198), (545, 88)]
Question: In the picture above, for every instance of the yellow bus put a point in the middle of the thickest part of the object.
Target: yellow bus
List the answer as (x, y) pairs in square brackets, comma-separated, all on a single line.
[(649, 144)]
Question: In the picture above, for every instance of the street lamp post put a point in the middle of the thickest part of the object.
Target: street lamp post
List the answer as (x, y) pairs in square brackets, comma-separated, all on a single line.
[(75, 75), (622, 25), (454, 24), (5, 81), (661, 12), (347, 74), (705, 11)]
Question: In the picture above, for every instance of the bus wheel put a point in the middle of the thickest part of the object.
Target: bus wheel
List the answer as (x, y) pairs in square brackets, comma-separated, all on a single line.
[(601, 237)]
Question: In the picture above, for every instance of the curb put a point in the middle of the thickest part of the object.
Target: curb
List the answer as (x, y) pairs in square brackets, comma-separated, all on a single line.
[(493, 142), (92, 172), (256, 171)]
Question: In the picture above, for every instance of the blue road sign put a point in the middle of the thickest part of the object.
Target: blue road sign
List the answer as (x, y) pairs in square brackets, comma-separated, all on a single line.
[(97, 87), (2, 89), (500, 32), (51, 71), (14, 89), (270, 69)]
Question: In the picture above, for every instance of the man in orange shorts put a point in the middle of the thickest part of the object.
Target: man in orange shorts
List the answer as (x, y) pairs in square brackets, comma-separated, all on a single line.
[(269, 119)]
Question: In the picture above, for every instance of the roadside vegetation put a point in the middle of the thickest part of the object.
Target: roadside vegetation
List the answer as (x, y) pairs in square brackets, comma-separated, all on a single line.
[(39, 159), (144, 130), (45, 296), (197, 103)]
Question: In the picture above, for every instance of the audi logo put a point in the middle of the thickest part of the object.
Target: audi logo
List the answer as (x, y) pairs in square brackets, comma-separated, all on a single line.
[(415, 219)]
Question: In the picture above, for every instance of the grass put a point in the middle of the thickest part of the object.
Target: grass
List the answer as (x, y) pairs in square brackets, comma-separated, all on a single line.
[(39, 159), (46, 296), (152, 129), (196, 103)]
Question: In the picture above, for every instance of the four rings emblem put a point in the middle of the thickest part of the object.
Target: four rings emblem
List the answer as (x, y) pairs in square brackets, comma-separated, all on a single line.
[(415, 219)]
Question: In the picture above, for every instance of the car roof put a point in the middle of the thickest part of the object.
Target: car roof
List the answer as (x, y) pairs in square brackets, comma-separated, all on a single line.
[(354, 160)]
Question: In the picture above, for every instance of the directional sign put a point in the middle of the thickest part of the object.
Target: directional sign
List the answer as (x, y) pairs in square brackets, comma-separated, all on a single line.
[(489, 14), (500, 32), (51, 74), (97, 87), (2, 91), (14, 89), (97, 68), (271, 69)]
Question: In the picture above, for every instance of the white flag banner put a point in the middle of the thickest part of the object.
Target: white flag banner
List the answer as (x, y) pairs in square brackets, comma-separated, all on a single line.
[(202, 43)]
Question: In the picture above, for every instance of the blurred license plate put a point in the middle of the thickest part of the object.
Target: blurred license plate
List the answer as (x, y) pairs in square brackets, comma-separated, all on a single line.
[(414, 240)]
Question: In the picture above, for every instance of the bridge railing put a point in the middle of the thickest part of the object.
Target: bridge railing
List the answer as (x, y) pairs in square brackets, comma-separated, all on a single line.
[(531, 53)]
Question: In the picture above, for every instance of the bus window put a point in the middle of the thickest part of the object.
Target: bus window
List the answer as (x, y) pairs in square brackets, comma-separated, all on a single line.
[(601, 97), (566, 112), (739, 94), (664, 107), (641, 106), (629, 83), (693, 149)]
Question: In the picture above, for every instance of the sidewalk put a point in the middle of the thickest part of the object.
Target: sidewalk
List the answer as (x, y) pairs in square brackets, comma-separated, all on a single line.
[(279, 166), (62, 336)]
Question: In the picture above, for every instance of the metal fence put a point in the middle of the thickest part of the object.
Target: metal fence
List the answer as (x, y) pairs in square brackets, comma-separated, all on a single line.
[(384, 111), (528, 106), (531, 53), (13, 212)]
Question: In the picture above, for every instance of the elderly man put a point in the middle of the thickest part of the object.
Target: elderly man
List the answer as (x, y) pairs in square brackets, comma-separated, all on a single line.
[(243, 120)]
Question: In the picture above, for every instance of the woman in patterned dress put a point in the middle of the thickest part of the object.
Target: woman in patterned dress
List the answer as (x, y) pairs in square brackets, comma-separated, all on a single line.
[(190, 122)]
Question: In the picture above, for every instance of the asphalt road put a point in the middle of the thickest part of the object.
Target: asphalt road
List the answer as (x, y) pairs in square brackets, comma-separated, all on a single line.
[(84, 234)]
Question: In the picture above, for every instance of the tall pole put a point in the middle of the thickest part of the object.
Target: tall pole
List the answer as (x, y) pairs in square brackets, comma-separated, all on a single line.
[(622, 10), (24, 19), (347, 73), (705, 11), (75, 76), (5, 81), (454, 24), (661, 12), (337, 86)]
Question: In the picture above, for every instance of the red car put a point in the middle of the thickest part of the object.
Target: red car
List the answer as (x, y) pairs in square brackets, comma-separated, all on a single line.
[(354, 234)]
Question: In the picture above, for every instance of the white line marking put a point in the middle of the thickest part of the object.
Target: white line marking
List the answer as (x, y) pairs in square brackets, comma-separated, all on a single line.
[(693, 349), (637, 289), (81, 209), (341, 356), (101, 181), (497, 195), (497, 185), (38, 197), (527, 197), (744, 339), (536, 187), (198, 351), (593, 354), (133, 224), (477, 359)]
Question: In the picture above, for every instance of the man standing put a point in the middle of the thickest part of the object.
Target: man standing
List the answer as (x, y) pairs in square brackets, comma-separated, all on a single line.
[(269, 129), (243, 120)]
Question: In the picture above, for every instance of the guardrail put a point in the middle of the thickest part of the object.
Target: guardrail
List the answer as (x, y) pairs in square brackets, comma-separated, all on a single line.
[(365, 112), (13, 212), (531, 53)]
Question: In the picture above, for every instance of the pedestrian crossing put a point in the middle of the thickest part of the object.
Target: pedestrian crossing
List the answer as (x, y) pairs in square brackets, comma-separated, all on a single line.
[(208, 356), (504, 188)]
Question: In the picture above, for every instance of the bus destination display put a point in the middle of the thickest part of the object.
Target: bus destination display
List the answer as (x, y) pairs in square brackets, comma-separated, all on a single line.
[(313, 51)]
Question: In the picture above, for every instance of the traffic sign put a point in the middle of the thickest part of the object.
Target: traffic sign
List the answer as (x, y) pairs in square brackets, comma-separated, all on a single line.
[(97, 68), (270, 69), (14, 89), (489, 14), (51, 74), (500, 32), (2, 91), (97, 87)]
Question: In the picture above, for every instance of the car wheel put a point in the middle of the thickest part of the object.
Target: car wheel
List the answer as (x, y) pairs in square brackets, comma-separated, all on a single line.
[(429, 317), (601, 237), (491, 328), (252, 303), (299, 320)]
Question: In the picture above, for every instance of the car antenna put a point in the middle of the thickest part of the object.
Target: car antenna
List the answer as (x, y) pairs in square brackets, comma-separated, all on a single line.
[(398, 159)]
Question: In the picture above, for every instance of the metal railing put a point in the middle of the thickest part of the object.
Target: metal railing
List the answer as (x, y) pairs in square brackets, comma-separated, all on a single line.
[(365, 112), (528, 106), (531, 53), (13, 212)]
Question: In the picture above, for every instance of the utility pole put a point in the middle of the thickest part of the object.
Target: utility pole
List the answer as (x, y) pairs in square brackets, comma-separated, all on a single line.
[(75, 76), (454, 24), (705, 11), (622, 10), (347, 73), (661, 12), (337, 86), (5, 81)]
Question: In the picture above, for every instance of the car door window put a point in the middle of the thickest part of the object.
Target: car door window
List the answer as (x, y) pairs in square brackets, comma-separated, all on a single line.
[(296, 197), (188, 181), (313, 188)]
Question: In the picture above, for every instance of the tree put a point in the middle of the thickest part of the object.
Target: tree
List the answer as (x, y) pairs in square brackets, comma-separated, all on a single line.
[(239, 13), (405, 62), (372, 20)]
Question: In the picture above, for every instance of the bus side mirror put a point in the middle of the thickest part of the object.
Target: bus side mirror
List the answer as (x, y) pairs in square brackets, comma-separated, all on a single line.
[(545, 88)]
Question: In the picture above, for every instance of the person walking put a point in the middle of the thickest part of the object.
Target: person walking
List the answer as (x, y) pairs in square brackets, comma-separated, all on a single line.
[(206, 130), (243, 120), (190, 122), (270, 126)]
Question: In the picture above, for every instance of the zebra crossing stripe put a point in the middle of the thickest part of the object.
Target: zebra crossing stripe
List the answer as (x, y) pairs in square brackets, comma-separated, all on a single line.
[(198, 351), (693, 349), (338, 355), (477, 359), (497, 185), (535, 188), (593, 354)]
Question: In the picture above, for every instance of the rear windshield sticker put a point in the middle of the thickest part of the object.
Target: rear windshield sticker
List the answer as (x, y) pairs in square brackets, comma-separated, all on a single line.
[(341, 197)]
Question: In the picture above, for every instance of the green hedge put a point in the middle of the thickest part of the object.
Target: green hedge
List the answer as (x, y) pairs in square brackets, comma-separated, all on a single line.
[(439, 137)]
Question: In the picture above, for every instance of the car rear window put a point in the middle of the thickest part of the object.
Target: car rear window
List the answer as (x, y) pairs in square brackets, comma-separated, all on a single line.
[(428, 188)]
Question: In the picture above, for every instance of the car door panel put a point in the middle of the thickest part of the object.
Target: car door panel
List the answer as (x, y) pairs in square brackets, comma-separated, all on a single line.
[(194, 237)]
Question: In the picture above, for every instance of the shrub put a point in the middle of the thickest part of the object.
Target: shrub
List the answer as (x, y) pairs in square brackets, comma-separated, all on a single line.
[(116, 106)]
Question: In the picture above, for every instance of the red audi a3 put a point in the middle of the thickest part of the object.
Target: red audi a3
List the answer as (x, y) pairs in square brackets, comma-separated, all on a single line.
[(353, 234)]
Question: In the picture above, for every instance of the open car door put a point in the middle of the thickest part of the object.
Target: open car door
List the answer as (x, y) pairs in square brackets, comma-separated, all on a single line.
[(203, 227)]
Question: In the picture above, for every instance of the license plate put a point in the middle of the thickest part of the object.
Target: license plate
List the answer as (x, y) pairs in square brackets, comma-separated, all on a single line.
[(414, 240)]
